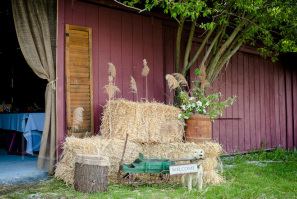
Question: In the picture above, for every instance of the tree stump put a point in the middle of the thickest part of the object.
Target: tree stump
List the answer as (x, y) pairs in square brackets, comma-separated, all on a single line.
[(90, 173)]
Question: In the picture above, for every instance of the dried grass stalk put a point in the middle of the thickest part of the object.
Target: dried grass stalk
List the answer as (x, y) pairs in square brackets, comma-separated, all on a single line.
[(111, 90), (110, 79), (133, 85), (172, 82), (145, 122), (145, 69), (96, 145), (112, 70), (181, 79)]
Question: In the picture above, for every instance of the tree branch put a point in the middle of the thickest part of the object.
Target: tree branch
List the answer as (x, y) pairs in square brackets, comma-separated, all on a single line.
[(189, 44), (224, 60), (131, 7), (177, 44), (198, 52), (214, 41), (213, 63)]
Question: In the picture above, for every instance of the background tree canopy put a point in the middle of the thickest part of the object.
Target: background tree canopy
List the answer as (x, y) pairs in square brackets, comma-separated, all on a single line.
[(268, 25)]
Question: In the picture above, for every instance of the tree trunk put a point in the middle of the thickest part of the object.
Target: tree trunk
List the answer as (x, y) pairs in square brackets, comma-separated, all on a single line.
[(90, 173)]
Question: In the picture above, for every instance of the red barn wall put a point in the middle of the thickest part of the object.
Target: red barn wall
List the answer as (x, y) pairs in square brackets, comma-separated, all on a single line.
[(119, 37), (264, 115)]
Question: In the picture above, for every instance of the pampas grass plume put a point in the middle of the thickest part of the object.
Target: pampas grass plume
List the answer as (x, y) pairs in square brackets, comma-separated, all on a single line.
[(111, 90), (112, 70), (145, 69), (133, 85), (181, 79), (172, 82)]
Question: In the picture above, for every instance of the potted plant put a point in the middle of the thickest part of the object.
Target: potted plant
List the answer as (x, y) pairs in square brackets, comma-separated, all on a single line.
[(198, 107)]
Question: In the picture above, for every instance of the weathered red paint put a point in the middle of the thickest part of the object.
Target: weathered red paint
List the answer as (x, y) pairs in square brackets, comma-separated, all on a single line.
[(264, 115), (122, 38)]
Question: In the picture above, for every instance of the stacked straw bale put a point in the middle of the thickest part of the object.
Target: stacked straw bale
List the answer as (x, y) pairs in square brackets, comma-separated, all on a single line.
[(111, 148), (153, 129), (181, 150), (145, 122)]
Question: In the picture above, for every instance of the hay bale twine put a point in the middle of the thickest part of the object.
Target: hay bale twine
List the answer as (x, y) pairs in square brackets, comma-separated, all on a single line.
[(90, 173)]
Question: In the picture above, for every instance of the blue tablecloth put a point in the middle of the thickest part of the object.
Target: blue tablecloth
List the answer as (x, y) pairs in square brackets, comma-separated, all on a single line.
[(30, 124)]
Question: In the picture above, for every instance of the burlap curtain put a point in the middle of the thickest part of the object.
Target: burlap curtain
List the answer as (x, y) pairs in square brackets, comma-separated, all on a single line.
[(35, 24)]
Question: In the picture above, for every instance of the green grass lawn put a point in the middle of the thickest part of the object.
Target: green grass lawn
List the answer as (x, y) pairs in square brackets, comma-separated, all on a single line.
[(258, 175)]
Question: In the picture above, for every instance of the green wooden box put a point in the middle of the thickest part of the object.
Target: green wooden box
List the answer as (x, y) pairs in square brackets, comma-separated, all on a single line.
[(143, 165)]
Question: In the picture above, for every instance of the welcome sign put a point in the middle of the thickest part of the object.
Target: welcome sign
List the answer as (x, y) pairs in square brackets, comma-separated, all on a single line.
[(183, 169)]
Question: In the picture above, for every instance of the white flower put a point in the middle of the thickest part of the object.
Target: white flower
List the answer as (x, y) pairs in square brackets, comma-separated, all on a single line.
[(192, 98), (199, 103), (180, 116), (192, 105), (183, 107), (204, 111), (207, 103)]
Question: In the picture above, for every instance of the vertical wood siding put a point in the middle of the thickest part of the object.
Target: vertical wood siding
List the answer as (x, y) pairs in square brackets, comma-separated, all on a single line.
[(121, 38), (264, 115)]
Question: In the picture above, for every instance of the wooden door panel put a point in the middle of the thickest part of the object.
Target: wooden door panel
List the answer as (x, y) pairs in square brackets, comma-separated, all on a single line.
[(79, 77)]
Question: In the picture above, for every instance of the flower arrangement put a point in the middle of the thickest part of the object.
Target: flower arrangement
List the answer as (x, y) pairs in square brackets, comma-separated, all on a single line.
[(196, 100)]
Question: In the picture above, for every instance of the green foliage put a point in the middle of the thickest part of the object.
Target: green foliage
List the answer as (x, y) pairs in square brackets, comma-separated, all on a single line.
[(258, 175), (196, 101), (270, 25)]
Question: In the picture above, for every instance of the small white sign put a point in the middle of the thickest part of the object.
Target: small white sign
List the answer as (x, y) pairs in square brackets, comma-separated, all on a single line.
[(183, 169)]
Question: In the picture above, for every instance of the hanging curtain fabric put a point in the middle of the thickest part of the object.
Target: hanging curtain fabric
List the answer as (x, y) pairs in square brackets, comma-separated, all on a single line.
[(35, 24)]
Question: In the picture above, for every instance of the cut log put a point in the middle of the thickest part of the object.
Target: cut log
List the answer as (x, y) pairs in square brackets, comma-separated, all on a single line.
[(90, 173)]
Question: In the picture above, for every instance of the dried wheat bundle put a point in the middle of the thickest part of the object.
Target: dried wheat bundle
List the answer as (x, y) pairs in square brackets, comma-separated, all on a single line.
[(145, 122), (172, 82), (111, 90), (145, 69), (181, 79), (112, 70), (96, 145)]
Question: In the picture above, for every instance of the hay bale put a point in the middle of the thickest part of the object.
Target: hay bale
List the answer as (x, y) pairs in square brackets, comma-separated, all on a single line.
[(111, 148), (145, 122), (213, 178), (181, 150), (211, 149), (175, 151)]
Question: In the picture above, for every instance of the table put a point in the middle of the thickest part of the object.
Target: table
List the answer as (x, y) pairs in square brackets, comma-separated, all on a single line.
[(30, 124)]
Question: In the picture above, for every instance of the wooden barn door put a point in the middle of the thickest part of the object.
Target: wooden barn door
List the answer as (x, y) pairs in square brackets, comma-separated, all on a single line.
[(79, 79)]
